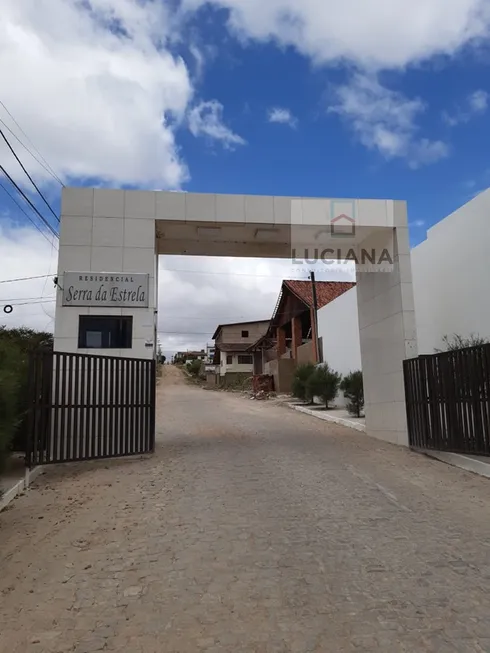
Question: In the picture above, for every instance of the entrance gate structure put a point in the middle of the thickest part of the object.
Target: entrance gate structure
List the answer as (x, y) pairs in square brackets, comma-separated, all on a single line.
[(120, 233), (84, 407)]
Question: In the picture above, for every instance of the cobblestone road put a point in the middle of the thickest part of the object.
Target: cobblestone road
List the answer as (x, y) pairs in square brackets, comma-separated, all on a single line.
[(253, 529)]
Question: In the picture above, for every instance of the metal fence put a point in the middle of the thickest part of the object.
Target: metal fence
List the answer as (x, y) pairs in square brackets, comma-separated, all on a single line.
[(448, 400), (83, 407)]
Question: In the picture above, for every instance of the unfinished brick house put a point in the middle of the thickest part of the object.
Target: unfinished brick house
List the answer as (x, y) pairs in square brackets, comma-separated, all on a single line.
[(291, 339)]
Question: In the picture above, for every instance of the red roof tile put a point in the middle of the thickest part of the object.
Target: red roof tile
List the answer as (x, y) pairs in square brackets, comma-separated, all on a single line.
[(326, 291)]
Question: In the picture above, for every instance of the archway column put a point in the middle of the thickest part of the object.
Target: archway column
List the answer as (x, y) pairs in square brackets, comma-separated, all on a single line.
[(387, 336)]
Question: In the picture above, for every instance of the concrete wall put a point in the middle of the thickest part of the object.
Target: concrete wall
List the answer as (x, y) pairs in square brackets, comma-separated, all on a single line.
[(233, 334), (104, 231), (235, 367), (451, 274), (212, 379), (283, 371), (305, 354), (338, 326), (234, 380)]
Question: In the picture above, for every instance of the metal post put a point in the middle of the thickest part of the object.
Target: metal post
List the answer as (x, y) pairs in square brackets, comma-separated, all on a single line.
[(315, 317)]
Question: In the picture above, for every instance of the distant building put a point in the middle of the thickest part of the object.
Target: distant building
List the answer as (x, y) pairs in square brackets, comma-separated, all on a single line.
[(210, 349), (182, 357), (232, 342)]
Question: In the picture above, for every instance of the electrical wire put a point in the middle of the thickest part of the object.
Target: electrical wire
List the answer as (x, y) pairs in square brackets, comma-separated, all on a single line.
[(51, 242), (25, 299), (27, 174), (43, 165), (29, 201), (39, 276), (235, 274), (185, 333), (32, 144), (41, 301)]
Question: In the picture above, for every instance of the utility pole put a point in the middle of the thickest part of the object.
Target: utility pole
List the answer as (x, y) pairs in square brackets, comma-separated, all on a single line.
[(315, 317)]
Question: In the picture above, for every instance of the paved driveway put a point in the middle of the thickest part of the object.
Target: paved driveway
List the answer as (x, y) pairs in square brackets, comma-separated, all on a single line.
[(254, 529)]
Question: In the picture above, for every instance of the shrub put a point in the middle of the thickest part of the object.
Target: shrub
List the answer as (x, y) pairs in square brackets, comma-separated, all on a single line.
[(15, 345), (301, 375), (353, 389), (457, 341), (324, 383), (194, 367), (11, 381)]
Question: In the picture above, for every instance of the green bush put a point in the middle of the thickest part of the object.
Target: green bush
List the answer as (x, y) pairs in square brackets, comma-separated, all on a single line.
[(301, 375), (11, 381), (194, 367), (457, 341), (353, 389), (15, 345), (323, 383)]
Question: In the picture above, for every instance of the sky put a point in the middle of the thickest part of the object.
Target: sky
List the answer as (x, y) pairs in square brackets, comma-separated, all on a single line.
[(364, 98)]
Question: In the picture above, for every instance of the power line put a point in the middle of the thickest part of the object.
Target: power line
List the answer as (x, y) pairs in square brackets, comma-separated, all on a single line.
[(26, 299), (39, 276), (26, 214), (185, 333), (235, 274), (43, 165), (29, 201), (32, 144), (27, 174), (40, 301)]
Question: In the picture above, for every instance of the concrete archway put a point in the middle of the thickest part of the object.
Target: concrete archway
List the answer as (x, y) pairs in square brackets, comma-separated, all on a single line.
[(121, 232)]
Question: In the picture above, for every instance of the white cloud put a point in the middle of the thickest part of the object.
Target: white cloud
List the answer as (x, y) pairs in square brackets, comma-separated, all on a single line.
[(374, 34), (282, 116), (95, 86), (385, 120), (479, 101), (25, 253), (476, 105), (206, 119)]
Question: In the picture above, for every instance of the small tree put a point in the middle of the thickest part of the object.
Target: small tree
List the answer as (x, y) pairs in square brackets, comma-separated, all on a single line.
[(12, 371), (353, 389), (194, 367), (457, 341), (324, 383), (300, 378)]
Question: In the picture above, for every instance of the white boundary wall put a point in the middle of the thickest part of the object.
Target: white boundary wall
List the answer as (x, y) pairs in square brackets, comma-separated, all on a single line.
[(451, 275), (338, 326)]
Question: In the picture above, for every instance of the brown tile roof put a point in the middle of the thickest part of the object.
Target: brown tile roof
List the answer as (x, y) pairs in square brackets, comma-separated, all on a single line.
[(326, 291)]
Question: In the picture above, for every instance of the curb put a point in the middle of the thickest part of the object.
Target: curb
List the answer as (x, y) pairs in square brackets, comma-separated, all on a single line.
[(19, 487), (343, 421), (459, 460)]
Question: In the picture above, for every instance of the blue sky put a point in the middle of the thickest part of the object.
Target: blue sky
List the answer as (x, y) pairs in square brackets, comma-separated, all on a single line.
[(239, 96)]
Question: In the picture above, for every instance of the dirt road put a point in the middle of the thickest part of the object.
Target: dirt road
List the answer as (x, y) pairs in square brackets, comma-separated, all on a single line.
[(254, 529)]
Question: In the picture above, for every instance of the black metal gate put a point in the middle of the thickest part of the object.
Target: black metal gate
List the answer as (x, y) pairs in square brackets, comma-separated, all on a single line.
[(448, 400), (83, 407)]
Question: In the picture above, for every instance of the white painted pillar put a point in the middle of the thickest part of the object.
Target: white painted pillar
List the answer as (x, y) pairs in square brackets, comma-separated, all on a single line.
[(387, 336), (106, 230)]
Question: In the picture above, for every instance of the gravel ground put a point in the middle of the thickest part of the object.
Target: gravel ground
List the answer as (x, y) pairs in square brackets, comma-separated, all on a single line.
[(253, 528)]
